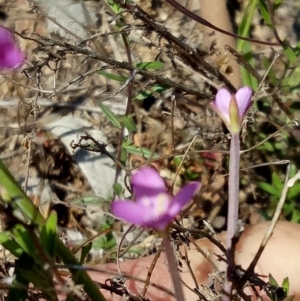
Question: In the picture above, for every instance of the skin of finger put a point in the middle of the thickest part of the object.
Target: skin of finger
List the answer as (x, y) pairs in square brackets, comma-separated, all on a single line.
[(280, 258)]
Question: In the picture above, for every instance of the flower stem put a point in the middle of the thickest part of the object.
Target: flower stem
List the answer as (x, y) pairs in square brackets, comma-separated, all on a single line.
[(173, 268), (233, 198)]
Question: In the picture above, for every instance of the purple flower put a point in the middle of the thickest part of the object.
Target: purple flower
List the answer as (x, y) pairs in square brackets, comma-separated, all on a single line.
[(10, 55), (232, 108), (153, 207)]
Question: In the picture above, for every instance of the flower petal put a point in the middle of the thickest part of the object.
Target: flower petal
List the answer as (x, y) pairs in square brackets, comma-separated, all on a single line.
[(183, 197), (10, 55), (147, 182), (160, 223), (11, 58), (131, 212), (6, 37), (222, 103), (243, 99)]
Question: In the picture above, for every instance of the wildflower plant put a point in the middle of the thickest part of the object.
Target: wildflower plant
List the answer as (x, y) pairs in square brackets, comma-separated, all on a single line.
[(232, 109), (154, 208)]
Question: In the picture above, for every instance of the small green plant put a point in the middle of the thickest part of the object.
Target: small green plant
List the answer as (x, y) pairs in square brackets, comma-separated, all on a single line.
[(291, 208), (35, 243)]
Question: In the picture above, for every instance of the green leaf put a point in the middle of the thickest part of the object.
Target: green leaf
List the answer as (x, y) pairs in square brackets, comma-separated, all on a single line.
[(264, 11), (267, 146), (191, 175), (23, 203), (272, 281), (293, 170), (156, 88), (19, 287), (293, 191), (81, 275), (24, 240), (106, 242), (295, 216), (118, 189), (244, 46), (19, 198), (277, 4), (129, 124), (48, 232), (156, 65), (277, 182), (286, 284), (177, 161), (41, 278), (115, 77), (123, 155), (290, 53), (246, 22), (10, 245), (288, 208), (116, 7), (110, 115), (85, 251), (142, 151), (269, 188)]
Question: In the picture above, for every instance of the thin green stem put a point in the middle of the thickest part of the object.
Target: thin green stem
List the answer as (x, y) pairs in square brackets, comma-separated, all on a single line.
[(173, 268)]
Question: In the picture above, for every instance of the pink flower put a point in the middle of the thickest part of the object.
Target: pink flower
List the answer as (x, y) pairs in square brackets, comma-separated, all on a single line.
[(10, 55), (232, 108), (153, 208)]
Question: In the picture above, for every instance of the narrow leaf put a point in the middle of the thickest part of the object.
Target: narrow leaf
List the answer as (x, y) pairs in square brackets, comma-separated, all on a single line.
[(290, 53), (19, 287), (48, 232), (10, 245), (110, 115), (272, 281), (142, 151), (264, 11), (276, 181), (129, 124), (18, 196), (286, 284), (294, 191), (149, 65), (27, 207), (269, 188), (244, 46), (156, 88), (85, 251), (24, 239), (115, 77)]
